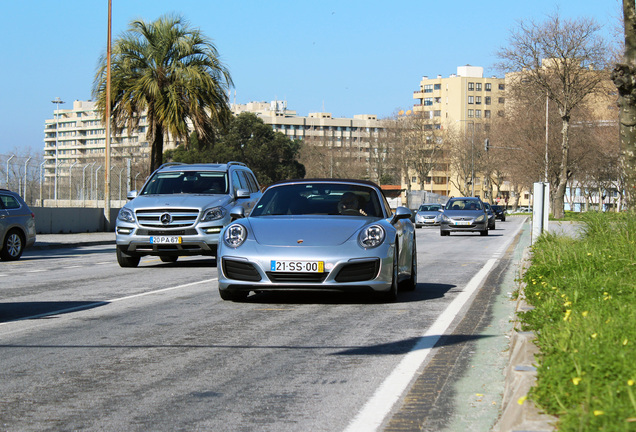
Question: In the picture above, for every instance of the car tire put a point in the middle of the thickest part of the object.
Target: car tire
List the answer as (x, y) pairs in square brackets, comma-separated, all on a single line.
[(13, 246), (233, 295), (411, 283), (484, 232), (169, 258), (444, 233), (392, 294), (126, 260)]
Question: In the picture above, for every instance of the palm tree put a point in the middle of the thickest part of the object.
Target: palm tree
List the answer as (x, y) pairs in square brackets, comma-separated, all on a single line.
[(171, 73)]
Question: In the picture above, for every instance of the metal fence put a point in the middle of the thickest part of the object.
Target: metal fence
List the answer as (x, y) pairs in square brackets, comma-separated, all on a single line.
[(77, 183)]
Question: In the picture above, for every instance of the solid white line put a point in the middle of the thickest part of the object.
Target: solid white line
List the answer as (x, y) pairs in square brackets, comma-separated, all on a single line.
[(372, 415), (160, 291)]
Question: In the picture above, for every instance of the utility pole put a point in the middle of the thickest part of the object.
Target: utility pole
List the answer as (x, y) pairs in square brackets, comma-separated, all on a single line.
[(107, 152)]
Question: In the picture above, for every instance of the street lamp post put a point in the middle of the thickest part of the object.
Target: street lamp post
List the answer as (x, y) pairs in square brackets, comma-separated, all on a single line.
[(25, 178), (12, 156), (56, 101), (41, 166), (70, 183)]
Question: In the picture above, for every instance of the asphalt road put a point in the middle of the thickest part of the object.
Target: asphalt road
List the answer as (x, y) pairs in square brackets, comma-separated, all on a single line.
[(87, 345)]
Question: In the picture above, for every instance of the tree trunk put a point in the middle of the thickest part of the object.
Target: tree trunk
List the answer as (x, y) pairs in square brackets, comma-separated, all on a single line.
[(156, 149), (624, 77), (562, 180)]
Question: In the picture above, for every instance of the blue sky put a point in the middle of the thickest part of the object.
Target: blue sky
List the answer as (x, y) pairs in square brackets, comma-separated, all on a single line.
[(348, 57)]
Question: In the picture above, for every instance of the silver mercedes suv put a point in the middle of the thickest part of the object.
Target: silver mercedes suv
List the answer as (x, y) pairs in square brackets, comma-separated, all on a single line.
[(181, 209)]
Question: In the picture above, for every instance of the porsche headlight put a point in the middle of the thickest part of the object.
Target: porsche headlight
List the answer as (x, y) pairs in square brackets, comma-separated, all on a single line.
[(212, 214), (235, 235), (371, 236), (126, 215), (480, 218)]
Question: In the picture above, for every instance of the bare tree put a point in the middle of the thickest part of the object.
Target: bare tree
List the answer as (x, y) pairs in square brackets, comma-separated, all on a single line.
[(624, 76), (565, 60)]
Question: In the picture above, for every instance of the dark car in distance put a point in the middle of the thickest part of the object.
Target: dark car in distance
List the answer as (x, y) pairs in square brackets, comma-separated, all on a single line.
[(499, 211)]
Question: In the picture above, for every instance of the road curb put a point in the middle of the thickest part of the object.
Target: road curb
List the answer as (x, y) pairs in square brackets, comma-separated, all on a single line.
[(59, 245), (518, 413)]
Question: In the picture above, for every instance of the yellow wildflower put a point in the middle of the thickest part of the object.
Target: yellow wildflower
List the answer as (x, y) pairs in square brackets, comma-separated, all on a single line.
[(594, 335), (576, 380), (567, 303), (630, 382), (522, 399), (584, 313), (567, 315), (625, 341), (598, 413)]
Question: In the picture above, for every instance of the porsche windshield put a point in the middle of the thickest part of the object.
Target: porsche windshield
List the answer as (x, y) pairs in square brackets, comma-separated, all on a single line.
[(319, 199), (187, 182)]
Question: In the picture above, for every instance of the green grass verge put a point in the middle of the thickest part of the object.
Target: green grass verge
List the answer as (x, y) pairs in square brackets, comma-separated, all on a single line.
[(584, 297)]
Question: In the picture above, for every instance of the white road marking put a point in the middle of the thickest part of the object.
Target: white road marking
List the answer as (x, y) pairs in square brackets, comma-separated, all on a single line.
[(105, 302), (373, 413)]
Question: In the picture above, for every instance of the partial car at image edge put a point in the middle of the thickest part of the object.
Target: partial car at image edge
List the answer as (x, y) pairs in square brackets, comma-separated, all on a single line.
[(17, 225)]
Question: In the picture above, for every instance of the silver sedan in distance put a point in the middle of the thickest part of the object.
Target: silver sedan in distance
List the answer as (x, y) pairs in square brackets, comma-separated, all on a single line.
[(466, 214), (428, 215), (319, 235)]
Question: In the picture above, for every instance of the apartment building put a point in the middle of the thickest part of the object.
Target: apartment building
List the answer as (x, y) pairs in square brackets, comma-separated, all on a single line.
[(352, 140), (77, 136), (350, 133), (465, 102)]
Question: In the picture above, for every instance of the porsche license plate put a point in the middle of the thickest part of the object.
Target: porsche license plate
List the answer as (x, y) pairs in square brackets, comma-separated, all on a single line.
[(298, 266), (165, 240)]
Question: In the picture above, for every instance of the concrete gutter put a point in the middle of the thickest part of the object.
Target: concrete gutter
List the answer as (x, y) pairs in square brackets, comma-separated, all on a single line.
[(53, 241)]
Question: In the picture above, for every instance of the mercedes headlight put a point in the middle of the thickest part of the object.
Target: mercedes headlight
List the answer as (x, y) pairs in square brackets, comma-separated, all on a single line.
[(212, 214), (235, 235), (126, 215), (371, 236)]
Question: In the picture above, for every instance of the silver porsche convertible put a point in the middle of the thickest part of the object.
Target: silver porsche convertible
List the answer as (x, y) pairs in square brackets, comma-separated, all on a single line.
[(319, 235)]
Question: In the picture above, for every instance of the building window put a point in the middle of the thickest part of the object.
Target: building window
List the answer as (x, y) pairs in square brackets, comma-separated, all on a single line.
[(477, 113), (502, 100), (438, 100), (437, 86), (471, 99), (487, 100), (488, 86), (471, 86), (428, 88), (478, 86), (428, 101), (487, 113), (502, 87), (471, 113), (478, 100), (437, 113)]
